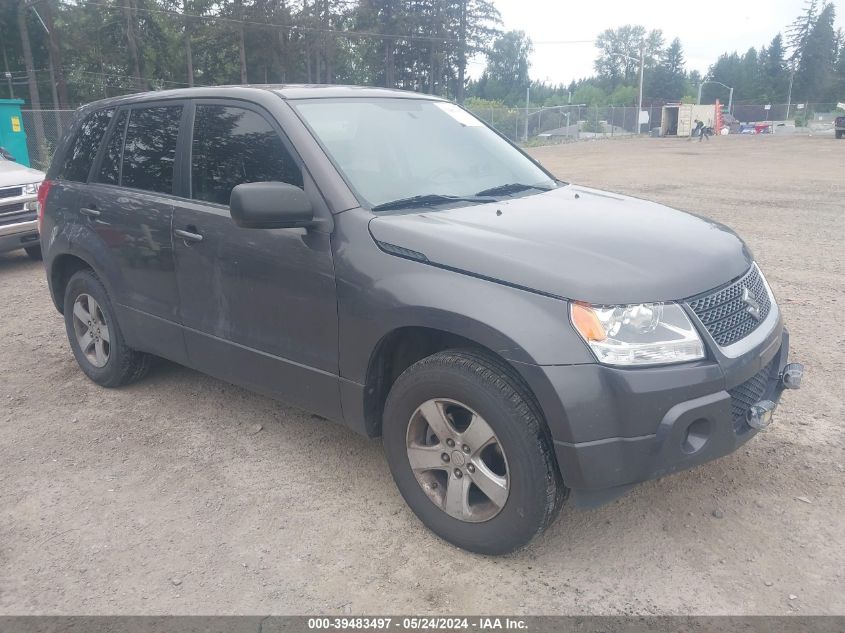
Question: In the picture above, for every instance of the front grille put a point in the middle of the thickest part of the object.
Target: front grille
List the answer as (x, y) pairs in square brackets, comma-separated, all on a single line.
[(11, 192), (8, 209), (724, 312), (19, 216), (748, 393)]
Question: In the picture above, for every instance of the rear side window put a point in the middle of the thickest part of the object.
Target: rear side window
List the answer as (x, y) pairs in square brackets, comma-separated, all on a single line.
[(110, 165), (232, 146), (150, 148), (81, 153)]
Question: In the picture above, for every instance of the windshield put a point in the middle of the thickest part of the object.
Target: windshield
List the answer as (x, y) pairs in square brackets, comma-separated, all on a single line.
[(394, 149)]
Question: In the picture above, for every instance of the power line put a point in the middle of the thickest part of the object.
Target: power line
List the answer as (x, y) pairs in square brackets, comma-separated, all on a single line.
[(545, 42), (22, 75)]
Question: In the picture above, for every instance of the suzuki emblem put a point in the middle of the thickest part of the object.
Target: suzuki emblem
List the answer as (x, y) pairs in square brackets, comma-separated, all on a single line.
[(751, 301)]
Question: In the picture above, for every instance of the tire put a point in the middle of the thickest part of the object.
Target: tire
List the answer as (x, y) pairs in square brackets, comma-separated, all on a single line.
[(466, 386), (34, 252), (840, 133), (108, 361)]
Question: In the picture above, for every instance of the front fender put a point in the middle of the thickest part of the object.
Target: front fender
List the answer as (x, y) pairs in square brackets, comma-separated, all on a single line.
[(380, 292)]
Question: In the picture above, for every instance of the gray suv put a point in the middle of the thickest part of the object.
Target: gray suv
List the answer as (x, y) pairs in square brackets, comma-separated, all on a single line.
[(386, 260)]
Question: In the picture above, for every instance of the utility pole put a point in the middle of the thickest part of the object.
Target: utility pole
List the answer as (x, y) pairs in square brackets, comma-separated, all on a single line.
[(7, 73), (730, 96), (527, 99), (789, 94), (462, 58), (640, 107), (642, 70)]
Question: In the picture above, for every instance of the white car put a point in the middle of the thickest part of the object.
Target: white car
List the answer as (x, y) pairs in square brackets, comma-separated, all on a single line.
[(18, 207)]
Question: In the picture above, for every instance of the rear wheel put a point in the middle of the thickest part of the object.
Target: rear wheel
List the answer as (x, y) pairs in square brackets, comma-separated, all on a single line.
[(34, 252), (94, 334), (840, 133), (470, 453)]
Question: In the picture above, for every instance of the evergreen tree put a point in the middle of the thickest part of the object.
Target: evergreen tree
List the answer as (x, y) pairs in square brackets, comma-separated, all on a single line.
[(506, 76), (814, 79), (799, 30), (774, 76), (668, 80)]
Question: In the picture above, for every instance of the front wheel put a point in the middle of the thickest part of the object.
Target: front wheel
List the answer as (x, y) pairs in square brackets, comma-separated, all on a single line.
[(469, 452)]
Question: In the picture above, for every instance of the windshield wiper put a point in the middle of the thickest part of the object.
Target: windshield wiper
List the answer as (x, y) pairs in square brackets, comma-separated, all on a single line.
[(428, 200), (513, 187)]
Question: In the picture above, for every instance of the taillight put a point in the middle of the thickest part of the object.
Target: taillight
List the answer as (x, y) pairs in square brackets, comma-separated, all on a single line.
[(43, 191)]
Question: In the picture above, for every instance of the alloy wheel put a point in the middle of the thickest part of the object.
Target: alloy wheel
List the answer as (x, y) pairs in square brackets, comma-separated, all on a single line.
[(458, 460), (91, 329)]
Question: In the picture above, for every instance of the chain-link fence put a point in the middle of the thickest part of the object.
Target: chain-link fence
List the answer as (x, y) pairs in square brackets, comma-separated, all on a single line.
[(800, 113), (567, 122), (44, 130), (579, 122)]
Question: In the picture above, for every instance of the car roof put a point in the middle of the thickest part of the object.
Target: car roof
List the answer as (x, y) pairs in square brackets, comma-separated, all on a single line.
[(285, 91)]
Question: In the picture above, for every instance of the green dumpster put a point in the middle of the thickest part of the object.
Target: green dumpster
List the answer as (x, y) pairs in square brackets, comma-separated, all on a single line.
[(12, 134)]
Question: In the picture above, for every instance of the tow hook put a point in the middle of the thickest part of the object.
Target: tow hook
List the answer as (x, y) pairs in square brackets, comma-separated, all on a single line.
[(791, 376), (759, 415)]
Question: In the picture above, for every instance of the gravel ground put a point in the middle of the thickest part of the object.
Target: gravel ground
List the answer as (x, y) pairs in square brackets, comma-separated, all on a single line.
[(182, 494)]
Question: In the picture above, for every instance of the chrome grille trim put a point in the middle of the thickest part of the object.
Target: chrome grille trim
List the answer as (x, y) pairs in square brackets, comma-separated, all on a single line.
[(726, 317), (11, 192)]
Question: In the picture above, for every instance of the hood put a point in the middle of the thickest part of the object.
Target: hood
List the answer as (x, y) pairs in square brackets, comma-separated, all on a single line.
[(12, 174), (576, 243)]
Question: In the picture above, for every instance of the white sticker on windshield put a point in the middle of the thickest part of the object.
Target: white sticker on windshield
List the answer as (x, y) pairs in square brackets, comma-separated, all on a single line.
[(459, 114)]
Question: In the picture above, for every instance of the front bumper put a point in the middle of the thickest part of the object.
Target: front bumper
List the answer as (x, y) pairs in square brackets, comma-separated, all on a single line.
[(614, 428), (18, 235)]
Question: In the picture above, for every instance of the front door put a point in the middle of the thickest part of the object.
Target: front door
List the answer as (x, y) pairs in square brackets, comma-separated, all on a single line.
[(258, 305)]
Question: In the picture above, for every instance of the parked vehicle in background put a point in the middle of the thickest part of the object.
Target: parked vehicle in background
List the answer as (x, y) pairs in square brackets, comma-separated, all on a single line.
[(384, 259), (839, 126), (18, 200)]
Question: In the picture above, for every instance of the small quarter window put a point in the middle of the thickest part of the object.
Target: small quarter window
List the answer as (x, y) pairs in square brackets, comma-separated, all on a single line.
[(83, 150), (233, 146), (150, 148)]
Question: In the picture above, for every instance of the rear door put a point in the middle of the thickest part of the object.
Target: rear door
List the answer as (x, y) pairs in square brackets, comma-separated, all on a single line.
[(70, 171), (129, 204), (258, 305)]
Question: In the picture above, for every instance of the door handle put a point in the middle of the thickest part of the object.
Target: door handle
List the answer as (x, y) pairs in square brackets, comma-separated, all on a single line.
[(90, 212), (187, 235)]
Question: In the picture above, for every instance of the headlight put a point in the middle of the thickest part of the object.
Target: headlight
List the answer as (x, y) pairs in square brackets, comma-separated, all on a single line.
[(640, 334), (31, 188)]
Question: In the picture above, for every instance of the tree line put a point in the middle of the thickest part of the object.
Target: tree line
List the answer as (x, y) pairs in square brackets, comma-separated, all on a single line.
[(62, 53), (89, 49), (805, 65)]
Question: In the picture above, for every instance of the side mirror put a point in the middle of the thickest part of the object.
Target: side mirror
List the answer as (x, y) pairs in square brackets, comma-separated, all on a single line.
[(270, 205)]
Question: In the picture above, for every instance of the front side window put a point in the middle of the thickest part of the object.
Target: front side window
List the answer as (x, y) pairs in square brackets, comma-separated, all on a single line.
[(83, 150), (391, 149), (150, 148), (232, 146)]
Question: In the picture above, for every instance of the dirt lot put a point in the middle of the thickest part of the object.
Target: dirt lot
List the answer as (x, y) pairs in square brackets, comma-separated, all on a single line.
[(167, 497)]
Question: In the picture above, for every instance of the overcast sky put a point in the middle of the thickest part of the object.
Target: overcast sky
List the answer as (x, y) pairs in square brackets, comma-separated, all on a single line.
[(744, 23)]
